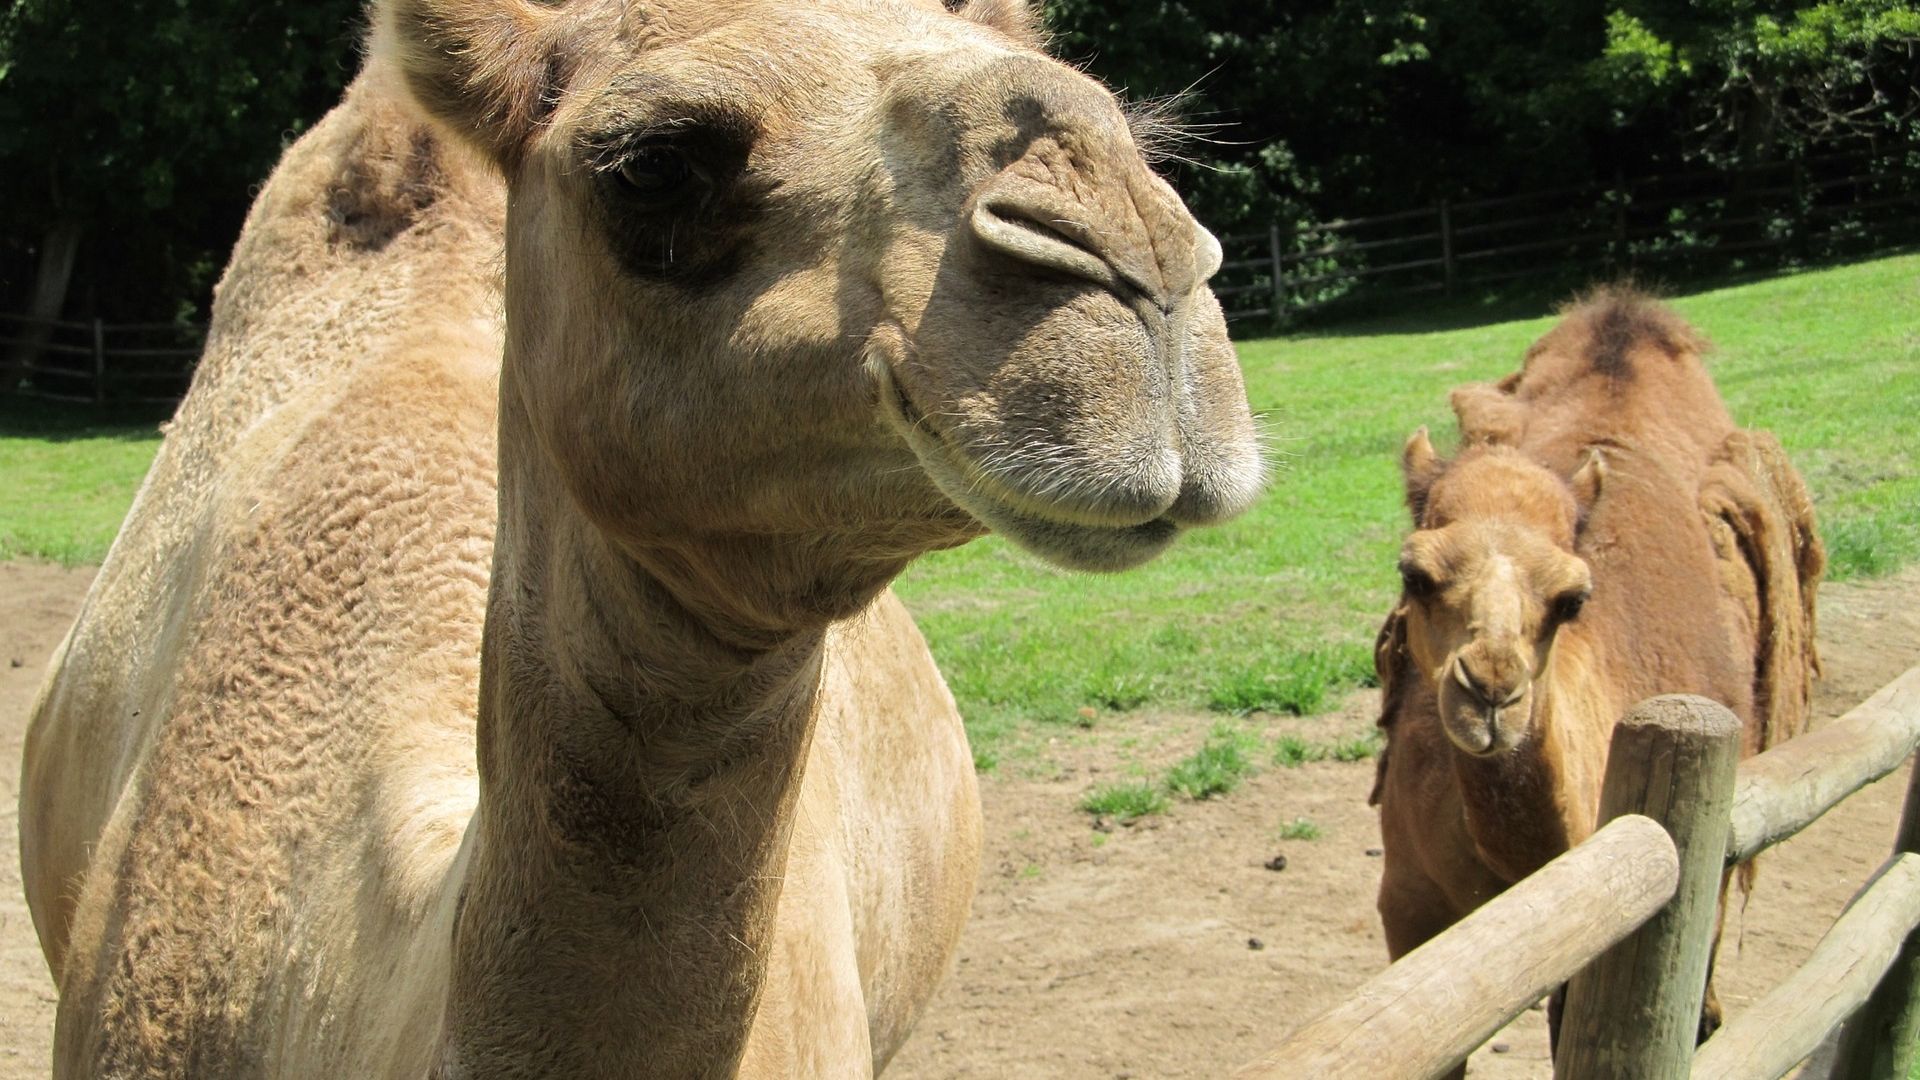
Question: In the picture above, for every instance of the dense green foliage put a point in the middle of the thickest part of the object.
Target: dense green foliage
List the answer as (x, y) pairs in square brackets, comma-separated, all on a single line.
[(1333, 108), (148, 124)]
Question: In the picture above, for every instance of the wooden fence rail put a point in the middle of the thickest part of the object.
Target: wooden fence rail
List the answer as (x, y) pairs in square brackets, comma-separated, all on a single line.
[(1804, 207), (1676, 812), (1784, 790), (1888, 1025), (1780, 1030), (1423, 1015), (97, 361)]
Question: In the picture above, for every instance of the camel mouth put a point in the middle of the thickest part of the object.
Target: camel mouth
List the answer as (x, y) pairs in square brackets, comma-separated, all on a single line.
[(1061, 540), (1481, 730)]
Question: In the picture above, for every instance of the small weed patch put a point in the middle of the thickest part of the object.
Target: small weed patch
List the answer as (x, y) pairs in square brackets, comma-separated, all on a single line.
[(1300, 828), (1217, 767), (1358, 748), (1124, 802), (1301, 686), (1292, 751)]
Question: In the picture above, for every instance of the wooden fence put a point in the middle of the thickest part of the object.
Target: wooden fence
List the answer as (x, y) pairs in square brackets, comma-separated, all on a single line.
[(1627, 920), (1674, 223), (97, 361)]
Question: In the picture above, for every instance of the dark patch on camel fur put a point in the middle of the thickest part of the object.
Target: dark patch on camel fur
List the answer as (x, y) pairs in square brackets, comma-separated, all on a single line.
[(1615, 321)]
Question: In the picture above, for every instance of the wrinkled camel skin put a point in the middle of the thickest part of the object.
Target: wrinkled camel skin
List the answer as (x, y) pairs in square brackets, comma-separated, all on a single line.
[(1605, 535), (497, 675)]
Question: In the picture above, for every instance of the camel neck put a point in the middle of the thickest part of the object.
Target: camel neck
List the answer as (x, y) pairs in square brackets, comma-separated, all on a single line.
[(637, 768)]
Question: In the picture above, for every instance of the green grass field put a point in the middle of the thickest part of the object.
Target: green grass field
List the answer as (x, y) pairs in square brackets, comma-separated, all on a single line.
[(1276, 611), (67, 476), (1279, 608)]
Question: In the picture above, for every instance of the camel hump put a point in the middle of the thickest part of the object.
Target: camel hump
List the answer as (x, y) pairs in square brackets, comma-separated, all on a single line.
[(1614, 323), (1761, 518)]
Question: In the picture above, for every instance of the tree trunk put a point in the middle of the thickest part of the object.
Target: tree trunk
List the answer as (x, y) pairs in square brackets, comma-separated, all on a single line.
[(57, 253)]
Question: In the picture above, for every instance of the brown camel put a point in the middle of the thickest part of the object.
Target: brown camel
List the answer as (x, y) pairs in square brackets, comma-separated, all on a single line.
[(497, 674), (1605, 536)]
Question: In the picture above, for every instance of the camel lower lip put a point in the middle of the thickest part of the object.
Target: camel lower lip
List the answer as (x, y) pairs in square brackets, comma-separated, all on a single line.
[(1073, 544), (1087, 547)]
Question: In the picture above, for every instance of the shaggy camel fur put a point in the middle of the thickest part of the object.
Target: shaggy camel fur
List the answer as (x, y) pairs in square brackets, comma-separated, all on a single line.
[(506, 684), (1606, 536)]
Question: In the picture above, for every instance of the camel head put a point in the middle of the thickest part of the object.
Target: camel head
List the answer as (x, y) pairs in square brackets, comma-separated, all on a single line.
[(849, 268), (1491, 578)]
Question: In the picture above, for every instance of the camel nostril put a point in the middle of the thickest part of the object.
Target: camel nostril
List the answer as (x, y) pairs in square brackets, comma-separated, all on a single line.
[(1208, 256), (1491, 695), (1053, 238)]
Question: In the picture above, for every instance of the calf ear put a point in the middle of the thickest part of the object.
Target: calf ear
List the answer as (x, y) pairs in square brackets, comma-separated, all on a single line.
[(1419, 465), (491, 70), (1392, 663), (1588, 482)]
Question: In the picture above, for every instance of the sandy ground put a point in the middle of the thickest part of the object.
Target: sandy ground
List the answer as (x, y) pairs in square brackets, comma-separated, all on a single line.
[(1164, 949)]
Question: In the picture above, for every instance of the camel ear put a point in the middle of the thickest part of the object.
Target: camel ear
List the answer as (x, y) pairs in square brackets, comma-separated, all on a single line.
[(1588, 482), (1487, 415), (491, 70), (1419, 464), (1390, 663), (1018, 19)]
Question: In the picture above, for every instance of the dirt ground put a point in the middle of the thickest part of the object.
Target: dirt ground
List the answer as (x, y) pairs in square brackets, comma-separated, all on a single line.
[(1164, 949)]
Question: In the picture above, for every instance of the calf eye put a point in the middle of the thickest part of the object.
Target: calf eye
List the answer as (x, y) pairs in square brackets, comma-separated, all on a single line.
[(1566, 606), (1418, 583)]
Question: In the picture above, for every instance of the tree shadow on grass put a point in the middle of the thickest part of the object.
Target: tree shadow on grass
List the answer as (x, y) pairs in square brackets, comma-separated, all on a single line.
[(60, 421)]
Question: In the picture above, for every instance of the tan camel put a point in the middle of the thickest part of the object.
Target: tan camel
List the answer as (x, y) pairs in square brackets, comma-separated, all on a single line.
[(361, 764), (1606, 536)]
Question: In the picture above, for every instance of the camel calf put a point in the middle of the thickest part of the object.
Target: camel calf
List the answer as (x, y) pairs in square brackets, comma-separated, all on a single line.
[(1606, 535)]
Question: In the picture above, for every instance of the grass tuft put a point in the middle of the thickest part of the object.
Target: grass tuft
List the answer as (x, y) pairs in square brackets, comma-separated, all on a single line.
[(1300, 828), (1124, 802), (1217, 767), (1299, 687), (1359, 748), (1292, 751)]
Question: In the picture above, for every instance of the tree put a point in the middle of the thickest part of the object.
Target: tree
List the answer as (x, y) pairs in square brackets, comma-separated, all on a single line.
[(1333, 108), (1755, 79), (133, 133)]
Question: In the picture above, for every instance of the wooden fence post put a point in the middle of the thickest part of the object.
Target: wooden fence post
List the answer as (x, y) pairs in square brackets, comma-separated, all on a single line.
[(99, 362), (1880, 1041), (1636, 1011), (1446, 244), (1279, 279)]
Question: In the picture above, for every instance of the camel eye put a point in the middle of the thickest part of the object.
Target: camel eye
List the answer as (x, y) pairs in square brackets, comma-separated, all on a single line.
[(657, 175), (1567, 606), (1419, 584)]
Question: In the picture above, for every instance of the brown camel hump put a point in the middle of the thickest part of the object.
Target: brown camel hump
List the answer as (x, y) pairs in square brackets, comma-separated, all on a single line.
[(1616, 321)]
